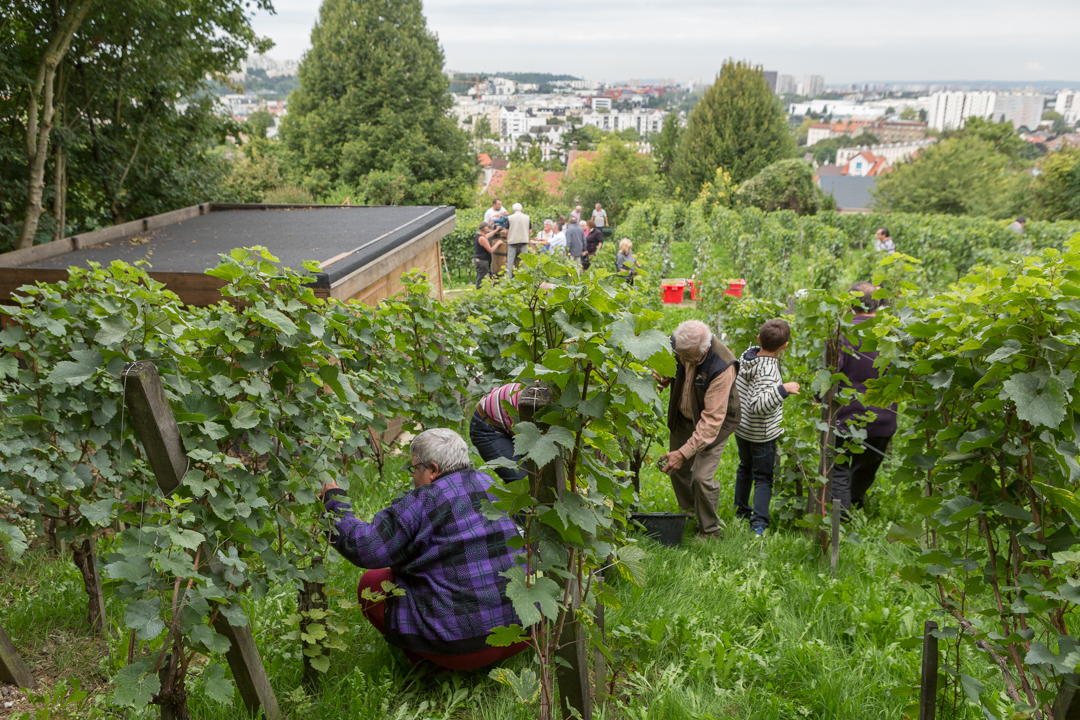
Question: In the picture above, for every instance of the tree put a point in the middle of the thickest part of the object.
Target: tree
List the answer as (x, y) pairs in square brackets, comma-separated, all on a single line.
[(132, 122), (373, 97), (482, 129), (977, 170), (525, 184), (784, 185), (258, 123), (665, 148), (961, 175), (616, 178), (1056, 191), (825, 150), (865, 139), (909, 113), (738, 125)]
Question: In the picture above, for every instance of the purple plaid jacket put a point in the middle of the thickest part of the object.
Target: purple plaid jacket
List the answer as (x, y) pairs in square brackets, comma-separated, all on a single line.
[(445, 555)]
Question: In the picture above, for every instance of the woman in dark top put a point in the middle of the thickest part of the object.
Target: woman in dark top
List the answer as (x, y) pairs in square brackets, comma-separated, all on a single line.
[(482, 249), (594, 240)]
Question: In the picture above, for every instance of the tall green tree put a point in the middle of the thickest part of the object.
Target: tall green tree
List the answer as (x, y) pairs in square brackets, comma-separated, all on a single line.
[(617, 177), (373, 97), (122, 123), (665, 148), (1055, 193), (738, 125), (525, 184)]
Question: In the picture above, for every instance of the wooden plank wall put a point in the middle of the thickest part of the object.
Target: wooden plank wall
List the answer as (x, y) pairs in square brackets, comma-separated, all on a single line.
[(390, 283)]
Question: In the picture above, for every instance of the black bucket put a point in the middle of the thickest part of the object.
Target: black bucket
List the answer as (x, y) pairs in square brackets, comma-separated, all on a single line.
[(665, 528)]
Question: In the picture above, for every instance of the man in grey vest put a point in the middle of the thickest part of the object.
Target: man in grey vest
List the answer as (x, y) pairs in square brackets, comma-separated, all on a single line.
[(702, 413), (517, 239)]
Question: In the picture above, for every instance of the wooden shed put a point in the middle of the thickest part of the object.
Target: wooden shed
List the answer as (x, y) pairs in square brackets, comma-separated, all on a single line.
[(361, 250)]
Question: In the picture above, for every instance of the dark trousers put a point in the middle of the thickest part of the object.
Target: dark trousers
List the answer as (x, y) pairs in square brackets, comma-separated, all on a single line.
[(493, 443), (483, 269), (851, 479), (756, 460), (375, 612)]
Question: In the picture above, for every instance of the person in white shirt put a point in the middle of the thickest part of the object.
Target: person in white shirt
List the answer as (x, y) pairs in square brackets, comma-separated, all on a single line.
[(495, 209), (599, 216), (517, 239), (558, 240), (543, 238)]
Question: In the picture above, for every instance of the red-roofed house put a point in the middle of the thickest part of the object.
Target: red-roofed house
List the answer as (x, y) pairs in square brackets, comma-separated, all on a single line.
[(866, 164)]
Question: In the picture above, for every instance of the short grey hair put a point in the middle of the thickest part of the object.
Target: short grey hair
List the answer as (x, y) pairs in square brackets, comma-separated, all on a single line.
[(548, 222), (693, 335), (442, 447), (517, 206)]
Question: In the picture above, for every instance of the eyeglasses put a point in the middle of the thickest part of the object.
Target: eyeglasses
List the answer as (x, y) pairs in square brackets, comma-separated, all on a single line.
[(414, 466)]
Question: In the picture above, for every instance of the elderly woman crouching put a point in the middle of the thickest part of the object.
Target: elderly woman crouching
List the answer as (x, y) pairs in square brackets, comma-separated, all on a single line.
[(436, 545)]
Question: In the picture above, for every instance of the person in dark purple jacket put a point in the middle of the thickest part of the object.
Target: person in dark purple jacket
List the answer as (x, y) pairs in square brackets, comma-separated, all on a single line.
[(853, 477), (435, 544)]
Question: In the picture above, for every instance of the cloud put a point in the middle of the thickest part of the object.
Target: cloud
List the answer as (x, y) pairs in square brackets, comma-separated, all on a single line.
[(619, 39)]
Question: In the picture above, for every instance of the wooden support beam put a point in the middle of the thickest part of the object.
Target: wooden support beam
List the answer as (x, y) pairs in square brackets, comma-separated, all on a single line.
[(13, 669), (928, 681), (153, 420), (575, 689)]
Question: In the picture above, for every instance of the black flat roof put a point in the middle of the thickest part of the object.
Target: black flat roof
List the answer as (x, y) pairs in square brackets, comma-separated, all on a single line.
[(355, 235)]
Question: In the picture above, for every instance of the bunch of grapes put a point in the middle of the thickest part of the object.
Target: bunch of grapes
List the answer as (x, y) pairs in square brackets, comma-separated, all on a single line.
[(10, 513)]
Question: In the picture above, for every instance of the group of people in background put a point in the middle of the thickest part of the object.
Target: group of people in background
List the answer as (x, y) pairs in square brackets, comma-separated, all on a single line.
[(571, 237)]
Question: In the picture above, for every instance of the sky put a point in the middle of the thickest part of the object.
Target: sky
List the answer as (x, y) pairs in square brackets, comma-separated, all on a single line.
[(846, 42)]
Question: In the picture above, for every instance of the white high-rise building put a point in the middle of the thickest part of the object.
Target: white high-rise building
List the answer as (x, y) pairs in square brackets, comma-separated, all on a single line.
[(1021, 109), (1068, 104), (949, 110), (813, 85), (785, 85)]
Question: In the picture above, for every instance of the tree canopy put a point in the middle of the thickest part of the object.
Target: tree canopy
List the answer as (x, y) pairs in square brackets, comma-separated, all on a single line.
[(738, 125), (119, 125), (784, 185), (616, 178), (373, 99), (975, 171)]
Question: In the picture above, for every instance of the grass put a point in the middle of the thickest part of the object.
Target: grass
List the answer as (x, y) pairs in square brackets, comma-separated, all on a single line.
[(734, 628)]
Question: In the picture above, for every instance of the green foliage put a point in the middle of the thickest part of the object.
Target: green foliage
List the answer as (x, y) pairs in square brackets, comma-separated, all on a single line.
[(974, 171), (371, 111), (616, 178), (134, 122), (251, 175), (525, 184), (1056, 191), (665, 149), (289, 195), (738, 125), (784, 185), (988, 372)]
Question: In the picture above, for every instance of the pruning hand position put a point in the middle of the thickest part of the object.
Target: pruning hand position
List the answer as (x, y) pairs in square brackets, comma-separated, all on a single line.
[(671, 462)]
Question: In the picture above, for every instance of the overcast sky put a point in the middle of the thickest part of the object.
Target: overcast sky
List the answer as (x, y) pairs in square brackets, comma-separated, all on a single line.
[(916, 40)]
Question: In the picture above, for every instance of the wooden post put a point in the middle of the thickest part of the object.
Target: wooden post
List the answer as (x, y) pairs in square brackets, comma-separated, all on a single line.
[(13, 669), (153, 420), (167, 712), (575, 691), (928, 682)]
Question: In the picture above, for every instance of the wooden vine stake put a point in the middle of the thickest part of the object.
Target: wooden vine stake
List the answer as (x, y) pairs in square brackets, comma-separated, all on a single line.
[(155, 424), (13, 669), (572, 656), (928, 681)]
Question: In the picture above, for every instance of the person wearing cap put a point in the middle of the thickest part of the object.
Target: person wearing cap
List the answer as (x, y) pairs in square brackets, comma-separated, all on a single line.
[(517, 239), (437, 544)]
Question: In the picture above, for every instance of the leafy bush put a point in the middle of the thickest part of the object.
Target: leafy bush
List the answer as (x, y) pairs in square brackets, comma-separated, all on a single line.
[(289, 195), (784, 185)]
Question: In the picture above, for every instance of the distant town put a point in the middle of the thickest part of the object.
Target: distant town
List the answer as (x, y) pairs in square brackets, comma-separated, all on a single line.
[(852, 133)]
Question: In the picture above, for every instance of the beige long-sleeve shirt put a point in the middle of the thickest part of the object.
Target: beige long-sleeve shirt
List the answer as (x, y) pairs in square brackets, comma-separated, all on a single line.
[(712, 415)]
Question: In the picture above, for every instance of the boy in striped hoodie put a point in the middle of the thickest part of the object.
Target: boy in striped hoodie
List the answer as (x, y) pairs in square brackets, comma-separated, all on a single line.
[(761, 395)]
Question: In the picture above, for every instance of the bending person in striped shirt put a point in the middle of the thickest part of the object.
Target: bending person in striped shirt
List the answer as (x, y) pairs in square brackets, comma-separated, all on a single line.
[(761, 396), (491, 429)]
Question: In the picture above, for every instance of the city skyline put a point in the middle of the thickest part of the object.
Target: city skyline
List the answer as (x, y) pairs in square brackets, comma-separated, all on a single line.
[(927, 42)]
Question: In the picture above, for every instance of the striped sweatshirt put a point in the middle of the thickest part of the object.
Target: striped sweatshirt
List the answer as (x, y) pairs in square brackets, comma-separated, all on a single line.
[(761, 397)]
